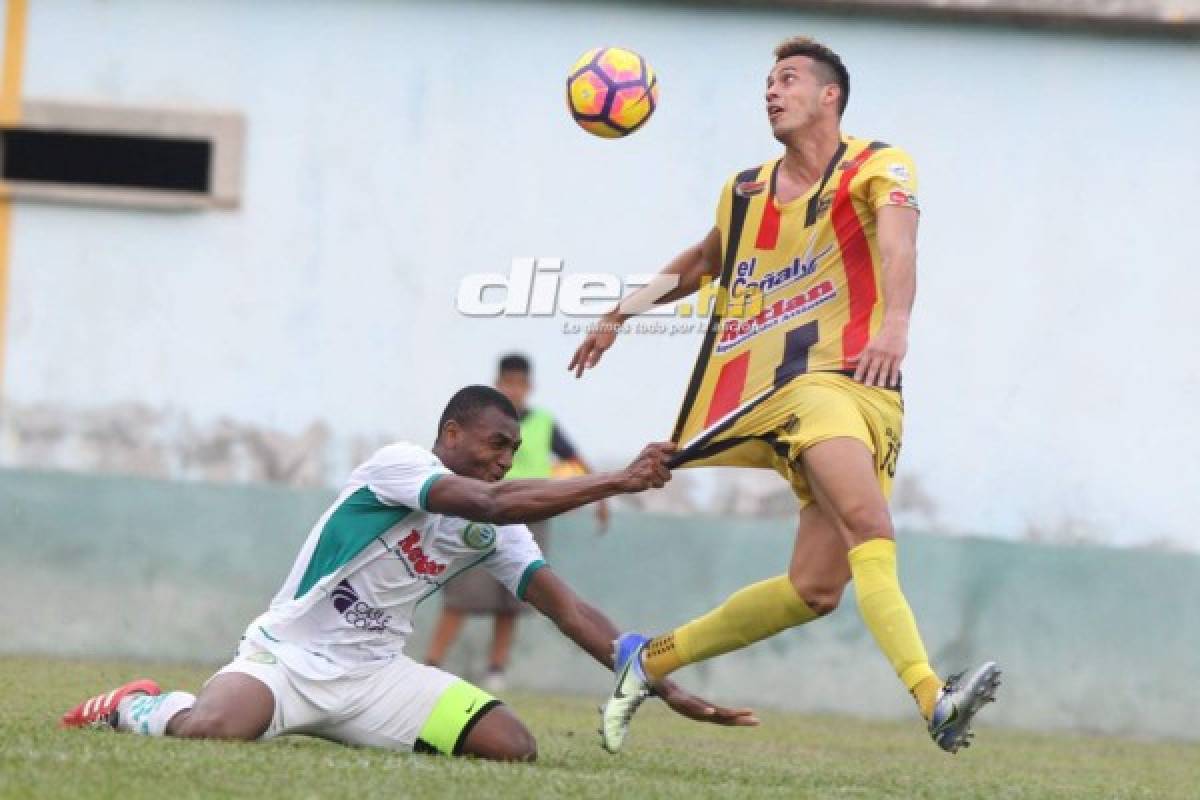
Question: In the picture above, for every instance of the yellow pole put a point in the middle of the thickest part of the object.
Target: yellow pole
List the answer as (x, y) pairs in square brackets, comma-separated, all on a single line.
[(10, 114)]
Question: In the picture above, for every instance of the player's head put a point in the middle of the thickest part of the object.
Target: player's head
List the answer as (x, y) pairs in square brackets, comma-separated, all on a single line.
[(478, 433), (808, 84), (514, 378)]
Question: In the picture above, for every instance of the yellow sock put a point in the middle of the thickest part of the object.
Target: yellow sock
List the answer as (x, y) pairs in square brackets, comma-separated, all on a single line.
[(925, 693), (750, 614), (890, 620), (661, 656)]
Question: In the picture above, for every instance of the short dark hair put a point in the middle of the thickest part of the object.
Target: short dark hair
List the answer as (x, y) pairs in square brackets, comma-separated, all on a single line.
[(829, 64), (467, 402), (515, 362)]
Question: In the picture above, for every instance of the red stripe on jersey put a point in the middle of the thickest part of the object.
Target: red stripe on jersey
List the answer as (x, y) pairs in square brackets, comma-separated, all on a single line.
[(728, 392), (860, 268), (768, 226)]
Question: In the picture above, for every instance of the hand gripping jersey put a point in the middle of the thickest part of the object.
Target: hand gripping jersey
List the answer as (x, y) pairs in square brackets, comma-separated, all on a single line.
[(371, 559), (803, 281)]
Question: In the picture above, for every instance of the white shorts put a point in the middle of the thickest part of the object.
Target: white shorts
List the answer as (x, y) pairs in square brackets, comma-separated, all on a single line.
[(401, 706)]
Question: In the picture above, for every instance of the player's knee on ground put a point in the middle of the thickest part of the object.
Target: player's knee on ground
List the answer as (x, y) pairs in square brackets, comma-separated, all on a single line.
[(500, 736), (231, 706), (820, 594)]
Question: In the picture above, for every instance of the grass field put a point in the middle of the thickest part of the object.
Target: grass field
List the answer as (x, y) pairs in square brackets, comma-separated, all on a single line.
[(789, 756)]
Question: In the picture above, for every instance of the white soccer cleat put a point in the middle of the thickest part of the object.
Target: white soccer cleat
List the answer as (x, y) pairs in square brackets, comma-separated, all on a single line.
[(957, 704), (631, 690)]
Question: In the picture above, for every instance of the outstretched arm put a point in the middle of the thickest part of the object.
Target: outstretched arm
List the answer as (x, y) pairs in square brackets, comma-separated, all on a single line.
[(594, 632), (506, 502), (683, 275), (580, 622)]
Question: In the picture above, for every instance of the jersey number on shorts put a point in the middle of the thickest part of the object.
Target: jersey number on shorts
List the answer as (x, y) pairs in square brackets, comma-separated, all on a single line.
[(891, 455)]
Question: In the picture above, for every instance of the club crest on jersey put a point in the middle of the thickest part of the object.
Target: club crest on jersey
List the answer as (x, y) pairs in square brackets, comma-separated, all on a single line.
[(479, 536), (749, 188)]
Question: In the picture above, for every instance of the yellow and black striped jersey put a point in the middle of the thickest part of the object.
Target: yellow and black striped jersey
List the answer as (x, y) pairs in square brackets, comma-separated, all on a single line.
[(803, 279)]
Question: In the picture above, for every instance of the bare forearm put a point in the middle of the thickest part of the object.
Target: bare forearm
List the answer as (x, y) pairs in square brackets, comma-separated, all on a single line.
[(682, 276), (880, 362), (589, 628), (505, 502), (678, 279), (899, 286), (534, 500), (582, 623), (897, 230)]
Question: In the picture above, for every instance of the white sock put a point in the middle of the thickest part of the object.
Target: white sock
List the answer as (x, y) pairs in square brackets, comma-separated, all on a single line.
[(148, 716)]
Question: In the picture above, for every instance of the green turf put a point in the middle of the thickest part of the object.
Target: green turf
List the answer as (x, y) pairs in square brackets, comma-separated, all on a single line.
[(789, 756)]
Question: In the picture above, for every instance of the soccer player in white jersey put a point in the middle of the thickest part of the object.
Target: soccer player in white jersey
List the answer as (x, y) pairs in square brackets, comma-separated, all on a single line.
[(326, 659)]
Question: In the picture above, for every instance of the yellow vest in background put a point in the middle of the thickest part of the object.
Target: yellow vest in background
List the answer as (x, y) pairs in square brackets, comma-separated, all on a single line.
[(533, 458)]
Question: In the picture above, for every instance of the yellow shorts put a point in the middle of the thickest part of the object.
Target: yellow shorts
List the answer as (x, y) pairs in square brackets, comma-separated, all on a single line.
[(774, 431)]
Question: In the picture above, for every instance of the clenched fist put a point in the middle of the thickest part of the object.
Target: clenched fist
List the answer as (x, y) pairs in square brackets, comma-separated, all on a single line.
[(649, 470)]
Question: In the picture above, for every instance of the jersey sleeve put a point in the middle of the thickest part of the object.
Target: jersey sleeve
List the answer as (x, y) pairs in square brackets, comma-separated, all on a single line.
[(401, 475), (516, 559), (890, 178)]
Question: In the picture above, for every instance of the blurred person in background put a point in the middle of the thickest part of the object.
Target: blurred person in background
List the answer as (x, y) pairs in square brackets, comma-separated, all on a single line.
[(477, 592)]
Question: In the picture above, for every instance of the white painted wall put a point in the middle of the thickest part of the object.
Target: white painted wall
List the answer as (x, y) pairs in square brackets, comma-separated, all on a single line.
[(394, 147)]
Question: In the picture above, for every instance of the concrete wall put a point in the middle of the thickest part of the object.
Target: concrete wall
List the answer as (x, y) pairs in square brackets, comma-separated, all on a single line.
[(1090, 639), (394, 147)]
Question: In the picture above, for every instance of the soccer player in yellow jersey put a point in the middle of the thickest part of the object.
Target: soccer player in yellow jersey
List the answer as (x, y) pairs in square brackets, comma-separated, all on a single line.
[(814, 254)]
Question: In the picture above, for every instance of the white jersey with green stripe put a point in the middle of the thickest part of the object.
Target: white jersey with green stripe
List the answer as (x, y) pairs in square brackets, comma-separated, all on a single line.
[(372, 558)]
